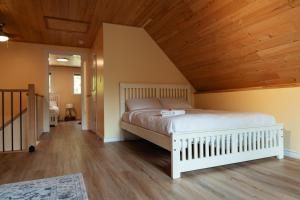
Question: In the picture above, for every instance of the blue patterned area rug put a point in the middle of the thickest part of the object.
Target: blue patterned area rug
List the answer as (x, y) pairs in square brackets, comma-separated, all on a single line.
[(61, 187)]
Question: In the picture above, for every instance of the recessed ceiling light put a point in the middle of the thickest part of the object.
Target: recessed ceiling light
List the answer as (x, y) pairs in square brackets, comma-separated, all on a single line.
[(62, 59)]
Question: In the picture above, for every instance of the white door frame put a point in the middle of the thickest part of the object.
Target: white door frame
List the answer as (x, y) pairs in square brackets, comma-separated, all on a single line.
[(84, 63), (93, 105)]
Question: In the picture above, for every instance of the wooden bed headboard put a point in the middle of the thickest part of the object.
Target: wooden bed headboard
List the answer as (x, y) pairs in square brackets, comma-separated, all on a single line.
[(138, 90)]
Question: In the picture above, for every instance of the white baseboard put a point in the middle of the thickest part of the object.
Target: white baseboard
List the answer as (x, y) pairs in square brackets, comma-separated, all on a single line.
[(292, 154), (113, 139), (84, 128), (46, 129), (120, 138)]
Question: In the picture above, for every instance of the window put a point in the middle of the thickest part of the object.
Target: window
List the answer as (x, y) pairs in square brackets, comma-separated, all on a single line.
[(50, 84), (77, 83)]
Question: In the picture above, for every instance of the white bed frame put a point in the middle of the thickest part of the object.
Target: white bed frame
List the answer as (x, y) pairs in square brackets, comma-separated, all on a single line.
[(53, 116), (199, 150)]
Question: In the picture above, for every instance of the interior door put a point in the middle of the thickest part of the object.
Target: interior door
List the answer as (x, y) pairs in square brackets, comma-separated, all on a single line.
[(93, 96)]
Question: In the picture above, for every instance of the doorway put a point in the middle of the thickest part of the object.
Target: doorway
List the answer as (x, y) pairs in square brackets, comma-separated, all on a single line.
[(66, 88), (93, 96)]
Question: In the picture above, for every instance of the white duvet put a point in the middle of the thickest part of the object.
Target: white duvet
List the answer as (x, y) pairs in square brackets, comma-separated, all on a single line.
[(196, 120), (54, 109)]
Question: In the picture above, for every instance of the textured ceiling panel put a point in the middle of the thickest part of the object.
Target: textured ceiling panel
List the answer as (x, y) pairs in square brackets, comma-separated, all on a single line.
[(66, 25)]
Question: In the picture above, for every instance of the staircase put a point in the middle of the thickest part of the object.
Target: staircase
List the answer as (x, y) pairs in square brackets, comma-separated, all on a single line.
[(21, 119)]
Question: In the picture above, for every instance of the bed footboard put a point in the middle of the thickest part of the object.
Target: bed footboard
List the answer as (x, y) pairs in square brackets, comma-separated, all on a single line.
[(209, 149), (53, 119)]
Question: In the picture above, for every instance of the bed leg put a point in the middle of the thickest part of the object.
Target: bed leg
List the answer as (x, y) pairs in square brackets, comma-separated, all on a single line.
[(175, 172), (281, 149), (175, 159), (280, 156)]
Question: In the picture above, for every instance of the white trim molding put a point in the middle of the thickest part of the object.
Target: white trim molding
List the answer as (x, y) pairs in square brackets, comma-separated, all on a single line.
[(113, 139), (124, 136), (291, 153)]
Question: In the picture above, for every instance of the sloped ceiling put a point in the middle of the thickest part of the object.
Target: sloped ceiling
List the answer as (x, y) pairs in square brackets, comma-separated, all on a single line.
[(216, 44), (231, 44)]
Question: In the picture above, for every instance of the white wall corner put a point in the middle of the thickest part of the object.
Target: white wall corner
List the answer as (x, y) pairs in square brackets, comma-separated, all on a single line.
[(113, 139), (84, 127), (119, 138), (292, 154)]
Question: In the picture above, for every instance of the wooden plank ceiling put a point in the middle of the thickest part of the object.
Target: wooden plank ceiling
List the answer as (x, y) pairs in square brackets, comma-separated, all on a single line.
[(216, 44)]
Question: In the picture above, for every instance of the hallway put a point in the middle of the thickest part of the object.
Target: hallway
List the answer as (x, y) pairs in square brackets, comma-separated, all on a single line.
[(126, 170)]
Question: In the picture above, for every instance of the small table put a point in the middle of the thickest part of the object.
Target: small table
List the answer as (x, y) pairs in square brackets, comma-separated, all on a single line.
[(70, 113)]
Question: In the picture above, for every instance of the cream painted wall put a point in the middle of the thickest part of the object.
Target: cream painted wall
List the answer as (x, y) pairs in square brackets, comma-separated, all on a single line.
[(62, 85), (130, 55), (283, 103), (25, 63)]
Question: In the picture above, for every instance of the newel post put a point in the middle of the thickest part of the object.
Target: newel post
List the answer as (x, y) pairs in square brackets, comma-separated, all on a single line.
[(31, 133)]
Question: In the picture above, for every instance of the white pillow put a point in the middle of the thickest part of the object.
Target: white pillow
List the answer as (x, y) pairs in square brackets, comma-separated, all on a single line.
[(173, 103), (139, 104)]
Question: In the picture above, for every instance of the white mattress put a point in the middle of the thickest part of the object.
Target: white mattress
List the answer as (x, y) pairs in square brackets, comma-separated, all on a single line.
[(54, 109), (196, 120)]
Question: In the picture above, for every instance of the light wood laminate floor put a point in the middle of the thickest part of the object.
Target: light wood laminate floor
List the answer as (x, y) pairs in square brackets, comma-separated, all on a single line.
[(140, 170)]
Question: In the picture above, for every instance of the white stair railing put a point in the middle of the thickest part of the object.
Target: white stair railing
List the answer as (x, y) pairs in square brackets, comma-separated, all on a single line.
[(21, 119)]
